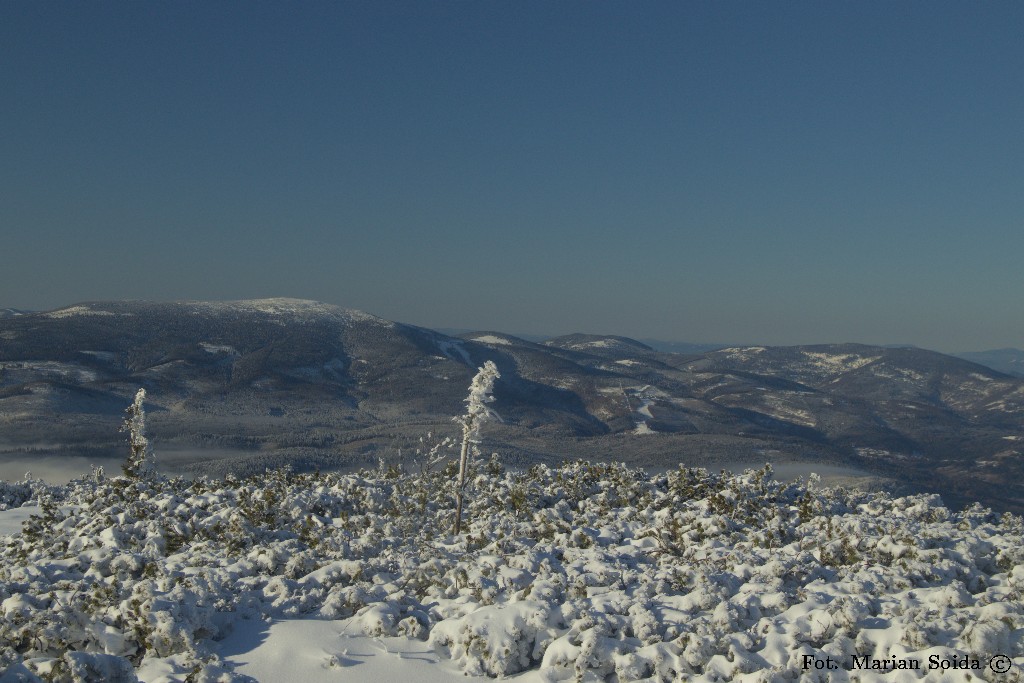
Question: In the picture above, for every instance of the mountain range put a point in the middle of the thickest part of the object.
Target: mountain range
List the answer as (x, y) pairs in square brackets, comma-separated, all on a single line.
[(1009, 361), (249, 384)]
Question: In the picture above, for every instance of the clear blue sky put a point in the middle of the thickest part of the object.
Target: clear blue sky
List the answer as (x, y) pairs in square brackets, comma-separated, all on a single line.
[(763, 172)]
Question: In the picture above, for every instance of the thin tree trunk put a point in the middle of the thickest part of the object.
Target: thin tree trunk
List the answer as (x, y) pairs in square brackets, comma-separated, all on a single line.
[(461, 486)]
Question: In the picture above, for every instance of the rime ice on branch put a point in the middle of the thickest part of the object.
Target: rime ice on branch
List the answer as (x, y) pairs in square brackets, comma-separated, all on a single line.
[(140, 462), (477, 413)]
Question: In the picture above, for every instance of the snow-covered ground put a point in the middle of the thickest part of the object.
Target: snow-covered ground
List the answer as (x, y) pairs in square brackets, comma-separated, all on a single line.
[(585, 572), (325, 651), (838, 363), (11, 520), (492, 339)]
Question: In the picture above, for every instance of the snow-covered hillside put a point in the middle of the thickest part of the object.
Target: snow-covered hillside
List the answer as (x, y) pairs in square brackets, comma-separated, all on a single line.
[(586, 572), (276, 381)]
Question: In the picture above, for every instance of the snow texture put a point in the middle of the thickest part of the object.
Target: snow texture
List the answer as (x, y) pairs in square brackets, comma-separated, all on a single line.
[(584, 572)]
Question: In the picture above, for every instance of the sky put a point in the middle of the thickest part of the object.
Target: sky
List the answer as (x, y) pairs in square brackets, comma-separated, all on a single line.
[(773, 172)]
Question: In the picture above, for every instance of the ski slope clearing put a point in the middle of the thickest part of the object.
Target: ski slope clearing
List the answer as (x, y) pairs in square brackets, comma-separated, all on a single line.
[(584, 572)]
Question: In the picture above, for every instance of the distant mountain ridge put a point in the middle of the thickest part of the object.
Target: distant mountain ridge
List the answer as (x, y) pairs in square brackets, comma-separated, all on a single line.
[(682, 347), (286, 380), (11, 312), (1010, 361)]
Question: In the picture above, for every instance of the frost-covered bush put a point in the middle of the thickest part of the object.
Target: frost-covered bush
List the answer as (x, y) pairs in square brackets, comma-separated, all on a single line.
[(496, 640), (586, 571), (14, 494)]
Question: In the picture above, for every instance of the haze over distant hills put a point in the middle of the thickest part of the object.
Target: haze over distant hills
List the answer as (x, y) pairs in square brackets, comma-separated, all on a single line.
[(11, 312), (283, 380), (1010, 361)]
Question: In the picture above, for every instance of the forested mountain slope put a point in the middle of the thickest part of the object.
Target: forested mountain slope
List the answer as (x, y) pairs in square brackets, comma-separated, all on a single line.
[(283, 380)]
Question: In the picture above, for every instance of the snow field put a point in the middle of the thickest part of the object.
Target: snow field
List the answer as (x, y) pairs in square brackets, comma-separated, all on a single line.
[(585, 572)]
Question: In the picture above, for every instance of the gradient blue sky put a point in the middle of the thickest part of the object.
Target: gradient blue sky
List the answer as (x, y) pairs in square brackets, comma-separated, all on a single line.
[(762, 172)]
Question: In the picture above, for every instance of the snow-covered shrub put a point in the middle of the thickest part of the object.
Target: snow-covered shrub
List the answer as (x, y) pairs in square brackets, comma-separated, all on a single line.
[(595, 572), (87, 667), (494, 640), (15, 494)]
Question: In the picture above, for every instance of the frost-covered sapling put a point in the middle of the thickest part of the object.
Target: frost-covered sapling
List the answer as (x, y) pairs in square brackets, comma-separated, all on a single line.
[(426, 479), (140, 462), (477, 413)]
